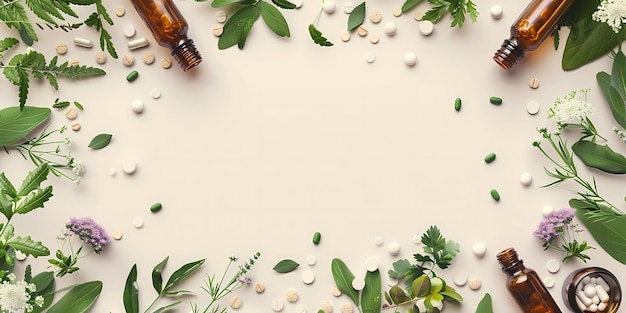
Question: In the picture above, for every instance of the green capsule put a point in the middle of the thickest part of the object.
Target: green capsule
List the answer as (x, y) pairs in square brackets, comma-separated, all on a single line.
[(457, 104), (490, 157), (156, 207), (132, 76), (316, 238), (495, 195), (495, 100)]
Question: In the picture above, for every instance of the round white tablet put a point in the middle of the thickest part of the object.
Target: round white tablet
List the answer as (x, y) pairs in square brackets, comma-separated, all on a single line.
[(460, 280), (553, 266), (410, 59), (496, 11), (137, 106), (329, 6), (426, 27), (370, 58), (532, 107), (479, 249), (129, 31), (549, 282), (308, 277), (371, 265), (129, 167), (358, 283), (378, 241), (277, 305), (393, 248), (390, 28), (138, 222), (526, 179), (311, 260), (348, 7)]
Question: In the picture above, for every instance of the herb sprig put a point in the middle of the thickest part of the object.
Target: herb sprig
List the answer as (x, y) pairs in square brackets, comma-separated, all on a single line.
[(458, 9)]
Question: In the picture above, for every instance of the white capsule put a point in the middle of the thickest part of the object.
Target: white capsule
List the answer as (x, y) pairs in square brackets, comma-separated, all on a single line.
[(526, 179), (601, 282), (602, 306), (592, 308), (584, 299), (390, 28), (410, 59), (329, 6), (553, 266), (358, 283), (496, 11), (589, 290), (426, 28), (137, 43), (393, 248), (479, 249), (277, 305), (129, 31), (371, 265), (82, 42), (580, 304), (308, 277), (137, 106)]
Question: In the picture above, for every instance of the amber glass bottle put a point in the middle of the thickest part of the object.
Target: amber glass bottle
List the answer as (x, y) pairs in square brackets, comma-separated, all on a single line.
[(169, 28), (525, 286), (536, 23)]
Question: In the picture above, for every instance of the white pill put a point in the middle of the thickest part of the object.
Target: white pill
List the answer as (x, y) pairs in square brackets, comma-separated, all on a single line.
[(410, 59), (345, 36), (393, 248), (277, 305), (137, 43), (20, 256), (460, 280), (137, 106), (117, 235), (347, 308), (120, 12), (590, 291), (112, 171), (584, 299), (417, 239), (220, 16), (138, 222), (474, 283), (298, 3), (82, 42), (595, 300), (308, 277), (311, 260), (496, 11), (370, 58), (479, 249), (378, 241), (396, 11), (592, 308), (602, 306), (358, 283), (129, 31), (329, 6), (291, 295), (547, 211), (601, 282), (426, 28), (335, 292), (390, 28), (553, 266), (580, 304), (348, 7), (129, 167), (526, 179), (532, 107), (371, 265), (548, 282), (326, 307), (374, 38), (155, 93)]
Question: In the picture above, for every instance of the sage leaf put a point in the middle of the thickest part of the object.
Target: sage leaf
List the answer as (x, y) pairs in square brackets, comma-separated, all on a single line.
[(601, 157), (317, 37), (587, 41), (15, 124), (79, 299), (286, 266), (371, 299), (607, 229), (284, 4), (409, 4), (100, 141), (182, 273), (274, 19), (29, 246), (343, 278), (485, 306), (357, 16), (235, 27), (33, 179), (131, 293), (157, 278)]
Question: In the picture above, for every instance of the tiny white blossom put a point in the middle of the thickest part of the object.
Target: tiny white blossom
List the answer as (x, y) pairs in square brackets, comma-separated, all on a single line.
[(14, 296), (612, 12), (39, 301), (77, 180), (571, 108), (78, 167), (620, 133), (68, 141)]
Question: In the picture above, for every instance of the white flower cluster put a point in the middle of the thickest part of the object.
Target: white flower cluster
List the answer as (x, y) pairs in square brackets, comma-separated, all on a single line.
[(612, 12), (620, 133), (571, 108), (15, 296)]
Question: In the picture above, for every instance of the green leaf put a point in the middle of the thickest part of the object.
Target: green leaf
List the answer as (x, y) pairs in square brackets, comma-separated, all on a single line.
[(420, 287), (284, 4), (28, 246), (157, 278), (608, 230), (167, 307), (44, 284), (34, 179), (221, 3), (588, 40), (357, 16), (35, 199), (615, 92), (79, 299), (371, 298), (343, 278), (286, 266), (48, 10), (100, 141), (400, 268), (398, 295), (274, 19), (131, 293), (600, 156), (14, 15), (182, 273), (409, 4), (450, 294), (484, 306), (7, 43), (16, 124), (236, 26), (6, 187), (317, 37)]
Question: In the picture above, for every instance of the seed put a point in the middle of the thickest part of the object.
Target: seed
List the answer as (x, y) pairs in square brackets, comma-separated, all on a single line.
[(457, 104), (490, 157), (495, 195), (534, 83), (495, 100), (132, 76), (156, 207), (316, 238)]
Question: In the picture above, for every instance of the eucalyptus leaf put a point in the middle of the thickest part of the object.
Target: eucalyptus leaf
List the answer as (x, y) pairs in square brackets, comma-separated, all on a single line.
[(131, 293), (607, 229), (34, 179), (601, 157), (182, 273), (15, 124), (286, 266), (485, 306), (79, 299), (274, 19), (100, 141), (588, 40), (371, 298), (409, 4), (357, 16), (343, 278), (157, 275)]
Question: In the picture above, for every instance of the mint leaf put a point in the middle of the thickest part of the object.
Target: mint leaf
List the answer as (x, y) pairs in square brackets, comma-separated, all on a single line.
[(286, 266), (100, 141), (317, 37), (238, 26)]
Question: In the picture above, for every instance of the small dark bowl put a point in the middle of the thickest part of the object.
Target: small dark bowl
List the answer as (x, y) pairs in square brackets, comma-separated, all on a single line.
[(572, 282)]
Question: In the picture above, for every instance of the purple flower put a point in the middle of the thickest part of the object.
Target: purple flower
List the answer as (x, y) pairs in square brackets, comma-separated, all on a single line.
[(554, 225), (89, 232)]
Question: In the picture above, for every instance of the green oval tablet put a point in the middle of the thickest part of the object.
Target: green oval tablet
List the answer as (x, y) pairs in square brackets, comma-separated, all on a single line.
[(495, 100), (490, 157), (457, 104), (156, 207), (132, 76), (316, 238), (495, 195)]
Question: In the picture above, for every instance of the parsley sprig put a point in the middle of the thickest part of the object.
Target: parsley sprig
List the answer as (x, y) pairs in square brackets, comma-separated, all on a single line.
[(458, 9)]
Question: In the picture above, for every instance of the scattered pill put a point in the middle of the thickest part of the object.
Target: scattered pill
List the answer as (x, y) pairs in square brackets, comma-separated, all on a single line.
[(378, 241), (117, 235), (495, 100), (101, 57), (259, 288), (347, 308), (479, 249), (474, 283), (120, 12), (277, 305), (112, 171), (417, 239), (138, 222), (129, 167), (370, 58), (375, 16), (310, 260), (235, 302), (137, 43), (534, 83), (371, 265), (490, 157), (82, 42), (335, 292), (496, 11), (418, 16), (426, 28), (547, 210), (410, 59), (362, 30), (390, 28), (156, 207), (345, 36), (602, 294), (393, 248), (291, 295), (218, 30), (316, 238), (374, 38), (396, 11), (71, 113), (590, 291), (457, 104), (220, 16), (301, 309), (326, 307), (553, 266), (128, 59), (460, 280), (75, 126), (20, 256), (549, 282), (329, 6), (495, 195), (580, 294), (74, 62), (148, 57), (308, 277), (129, 31), (132, 76), (61, 47), (358, 283), (532, 107), (166, 62), (137, 106), (526, 179), (348, 7)]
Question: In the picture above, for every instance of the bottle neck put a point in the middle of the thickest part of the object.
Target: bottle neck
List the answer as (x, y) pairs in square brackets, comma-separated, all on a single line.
[(510, 262), (509, 53), (186, 54)]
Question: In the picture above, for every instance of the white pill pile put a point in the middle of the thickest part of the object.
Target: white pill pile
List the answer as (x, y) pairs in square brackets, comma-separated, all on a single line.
[(592, 294)]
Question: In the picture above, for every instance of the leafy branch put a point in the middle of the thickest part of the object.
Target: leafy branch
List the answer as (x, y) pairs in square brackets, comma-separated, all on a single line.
[(95, 21), (458, 9), (316, 34)]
